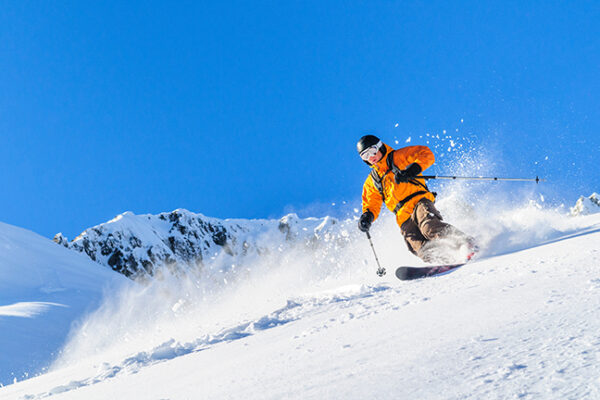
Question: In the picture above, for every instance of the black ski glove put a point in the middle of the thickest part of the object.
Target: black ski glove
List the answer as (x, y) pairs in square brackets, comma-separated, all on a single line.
[(365, 221), (409, 173)]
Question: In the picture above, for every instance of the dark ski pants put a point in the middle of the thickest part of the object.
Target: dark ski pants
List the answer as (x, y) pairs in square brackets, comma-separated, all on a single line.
[(425, 224)]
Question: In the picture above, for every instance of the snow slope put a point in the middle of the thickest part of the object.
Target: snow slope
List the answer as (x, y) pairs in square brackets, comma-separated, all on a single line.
[(520, 322), (43, 289)]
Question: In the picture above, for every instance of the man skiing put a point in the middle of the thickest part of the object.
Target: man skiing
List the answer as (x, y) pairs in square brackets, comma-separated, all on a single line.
[(394, 180)]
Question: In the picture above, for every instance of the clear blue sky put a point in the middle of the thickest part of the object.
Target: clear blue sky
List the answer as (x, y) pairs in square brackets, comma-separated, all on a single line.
[(251, 109)]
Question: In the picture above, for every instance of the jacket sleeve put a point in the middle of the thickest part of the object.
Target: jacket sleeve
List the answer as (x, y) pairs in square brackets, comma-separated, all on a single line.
[(371, 198), (421, 155)]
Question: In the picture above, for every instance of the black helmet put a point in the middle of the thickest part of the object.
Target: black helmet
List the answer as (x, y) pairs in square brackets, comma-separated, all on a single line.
[(369, 141), (365, 142)]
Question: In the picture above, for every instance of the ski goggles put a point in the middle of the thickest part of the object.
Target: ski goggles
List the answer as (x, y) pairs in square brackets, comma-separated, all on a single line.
[(370, 151)]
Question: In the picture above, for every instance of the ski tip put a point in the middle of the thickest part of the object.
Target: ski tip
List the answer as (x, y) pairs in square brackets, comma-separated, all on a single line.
[(403, 273), (410, 273)]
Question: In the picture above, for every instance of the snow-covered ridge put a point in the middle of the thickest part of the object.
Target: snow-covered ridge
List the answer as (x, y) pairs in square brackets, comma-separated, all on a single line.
[(136, 245)]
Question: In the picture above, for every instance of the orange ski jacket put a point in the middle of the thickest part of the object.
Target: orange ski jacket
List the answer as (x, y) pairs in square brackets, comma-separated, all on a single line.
[(394, 193)]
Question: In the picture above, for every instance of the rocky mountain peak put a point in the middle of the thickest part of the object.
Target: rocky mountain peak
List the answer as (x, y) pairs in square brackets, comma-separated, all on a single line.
[(136, 245), (586, 205)]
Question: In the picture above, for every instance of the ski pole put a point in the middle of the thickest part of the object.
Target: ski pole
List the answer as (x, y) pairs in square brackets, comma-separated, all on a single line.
[(482, 178), (380, 271)]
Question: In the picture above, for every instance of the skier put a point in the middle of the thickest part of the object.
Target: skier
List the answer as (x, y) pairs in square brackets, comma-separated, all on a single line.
[(394, 180)]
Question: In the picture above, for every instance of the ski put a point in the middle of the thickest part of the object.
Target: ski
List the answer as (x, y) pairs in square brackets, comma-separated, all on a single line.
[(410, 273)]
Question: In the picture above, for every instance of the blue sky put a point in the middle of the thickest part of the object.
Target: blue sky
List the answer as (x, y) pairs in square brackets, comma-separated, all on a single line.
[(252, 109)]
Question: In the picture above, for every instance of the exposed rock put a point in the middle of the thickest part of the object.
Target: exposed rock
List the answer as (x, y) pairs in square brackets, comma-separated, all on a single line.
[(137, 246), (61, 239), (586, 205)]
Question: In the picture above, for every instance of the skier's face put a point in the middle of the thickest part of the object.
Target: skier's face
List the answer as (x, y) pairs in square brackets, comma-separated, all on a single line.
[(372, 154), (375, 158)]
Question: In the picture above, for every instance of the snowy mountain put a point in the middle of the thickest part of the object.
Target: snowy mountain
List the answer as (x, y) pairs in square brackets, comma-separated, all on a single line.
[(301, 313), (136, 245)]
